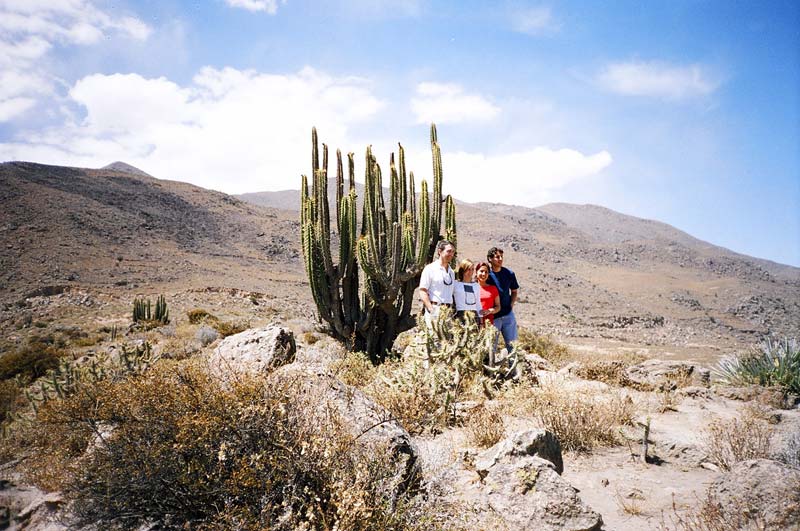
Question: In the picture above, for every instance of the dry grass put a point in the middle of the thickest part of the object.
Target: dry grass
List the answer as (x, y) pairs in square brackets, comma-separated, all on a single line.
[(632, 504), (580, 420), (485, 426), (728, 442), (709, 515), (355, 369), (173, 446), (545, 346)]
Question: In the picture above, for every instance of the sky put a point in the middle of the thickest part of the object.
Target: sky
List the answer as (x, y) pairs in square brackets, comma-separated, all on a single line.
[(682, 111)]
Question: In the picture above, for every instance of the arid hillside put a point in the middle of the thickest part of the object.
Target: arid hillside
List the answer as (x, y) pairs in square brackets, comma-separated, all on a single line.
[(593, 277)]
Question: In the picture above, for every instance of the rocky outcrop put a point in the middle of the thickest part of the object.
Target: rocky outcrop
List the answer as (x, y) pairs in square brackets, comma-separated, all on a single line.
[(760, 489), (254, 351), (660, 375), (372, 426), (521, 482), (516, 486)]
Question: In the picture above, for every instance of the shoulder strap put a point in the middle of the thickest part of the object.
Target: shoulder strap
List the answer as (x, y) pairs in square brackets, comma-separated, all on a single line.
[(496, 281)]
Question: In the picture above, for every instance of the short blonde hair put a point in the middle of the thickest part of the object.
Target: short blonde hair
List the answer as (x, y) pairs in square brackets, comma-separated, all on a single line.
[(462, 268)]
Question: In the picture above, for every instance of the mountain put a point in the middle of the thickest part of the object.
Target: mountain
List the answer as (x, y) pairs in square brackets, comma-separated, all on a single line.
[(595, 278)]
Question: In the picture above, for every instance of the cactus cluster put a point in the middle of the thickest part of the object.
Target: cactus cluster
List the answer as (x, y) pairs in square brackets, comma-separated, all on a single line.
[(366, 297), (142, 311), (69, 376), (448, 355)]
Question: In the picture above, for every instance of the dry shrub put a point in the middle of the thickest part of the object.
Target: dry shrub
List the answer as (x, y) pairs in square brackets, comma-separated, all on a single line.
[(173, 446), (485, 426), (789, 452), (604, 369), (355, 369), (30, 362), (545, 346), (228, 328), (199, 316), (415, 403), (310, 338), (728, 442), (10, 399), (580, 420), (709, 515)]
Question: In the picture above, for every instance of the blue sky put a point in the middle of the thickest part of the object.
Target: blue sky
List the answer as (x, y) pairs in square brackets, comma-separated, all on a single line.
[(687, 112)]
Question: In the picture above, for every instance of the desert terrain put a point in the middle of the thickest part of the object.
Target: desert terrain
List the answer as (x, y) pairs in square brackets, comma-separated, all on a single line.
[(77, 246)]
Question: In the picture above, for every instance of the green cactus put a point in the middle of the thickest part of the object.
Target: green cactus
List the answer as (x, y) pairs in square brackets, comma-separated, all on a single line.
[(367, 297), (142, 311)]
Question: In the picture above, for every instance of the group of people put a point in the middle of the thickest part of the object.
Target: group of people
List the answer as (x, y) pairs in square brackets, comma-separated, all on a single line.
[(486, 290)]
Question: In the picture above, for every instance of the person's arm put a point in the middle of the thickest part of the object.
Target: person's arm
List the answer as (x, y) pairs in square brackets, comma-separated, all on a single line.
[(496, 308), (513, 298), (426, 300)]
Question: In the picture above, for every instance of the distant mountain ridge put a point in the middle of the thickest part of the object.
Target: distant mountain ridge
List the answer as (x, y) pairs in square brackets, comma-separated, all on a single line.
[(586, 271)]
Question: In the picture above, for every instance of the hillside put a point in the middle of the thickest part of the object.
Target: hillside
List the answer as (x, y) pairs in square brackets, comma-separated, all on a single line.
[(593, 277)]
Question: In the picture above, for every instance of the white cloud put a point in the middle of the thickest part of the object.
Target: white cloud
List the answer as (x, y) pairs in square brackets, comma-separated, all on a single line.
[(658, 79), (270, 6), (231, 130), (524, 178), (537, 21), (448, 103), (12, 107), (32, 28)]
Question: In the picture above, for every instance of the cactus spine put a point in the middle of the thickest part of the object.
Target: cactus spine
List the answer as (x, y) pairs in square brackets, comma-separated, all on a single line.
[(367, 297)]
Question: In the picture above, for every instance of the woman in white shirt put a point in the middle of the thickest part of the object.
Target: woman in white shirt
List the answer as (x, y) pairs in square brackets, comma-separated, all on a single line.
[(467, 292)]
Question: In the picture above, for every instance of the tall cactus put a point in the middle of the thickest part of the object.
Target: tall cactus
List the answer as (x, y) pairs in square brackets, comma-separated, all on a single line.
[(390, 249)]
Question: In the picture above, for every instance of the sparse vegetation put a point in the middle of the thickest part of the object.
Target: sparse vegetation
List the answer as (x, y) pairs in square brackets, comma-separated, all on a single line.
[(142, 313), (485, 426), (444, 362), (224, 328), (709, 515), (171, 445), (772, 364), (355, 369), (580, 420), (544, 346), (728, 442), (30, 362)]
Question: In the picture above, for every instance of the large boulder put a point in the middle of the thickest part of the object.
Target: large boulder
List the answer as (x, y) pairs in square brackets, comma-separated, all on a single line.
[(254, 351), (520, 482), (372, 426), (540, 443), (517, 487), (660, 375), (760, 489)]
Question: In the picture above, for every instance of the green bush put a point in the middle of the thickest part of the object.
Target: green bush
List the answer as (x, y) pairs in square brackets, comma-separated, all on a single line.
[(772, 364), (173, 446)]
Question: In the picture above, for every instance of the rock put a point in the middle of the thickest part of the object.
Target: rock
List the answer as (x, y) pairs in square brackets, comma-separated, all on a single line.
[(659, 375), (760, 487), (540, 443), (538, 363), (25, 507), (370, 424), (521, 484), (259, 350)]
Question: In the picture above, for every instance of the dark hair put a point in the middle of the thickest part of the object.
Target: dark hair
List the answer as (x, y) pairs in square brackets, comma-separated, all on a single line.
[(442, 244), (491, 252), (483, 264)]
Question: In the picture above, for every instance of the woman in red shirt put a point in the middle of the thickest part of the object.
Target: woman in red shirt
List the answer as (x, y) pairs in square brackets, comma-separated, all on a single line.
[(490, 297)]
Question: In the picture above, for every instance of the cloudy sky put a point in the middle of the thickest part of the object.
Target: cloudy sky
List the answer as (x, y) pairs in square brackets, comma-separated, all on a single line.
[(683, 111)]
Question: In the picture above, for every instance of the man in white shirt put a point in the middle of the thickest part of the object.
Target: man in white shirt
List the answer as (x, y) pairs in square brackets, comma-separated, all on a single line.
[(436, 282)]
